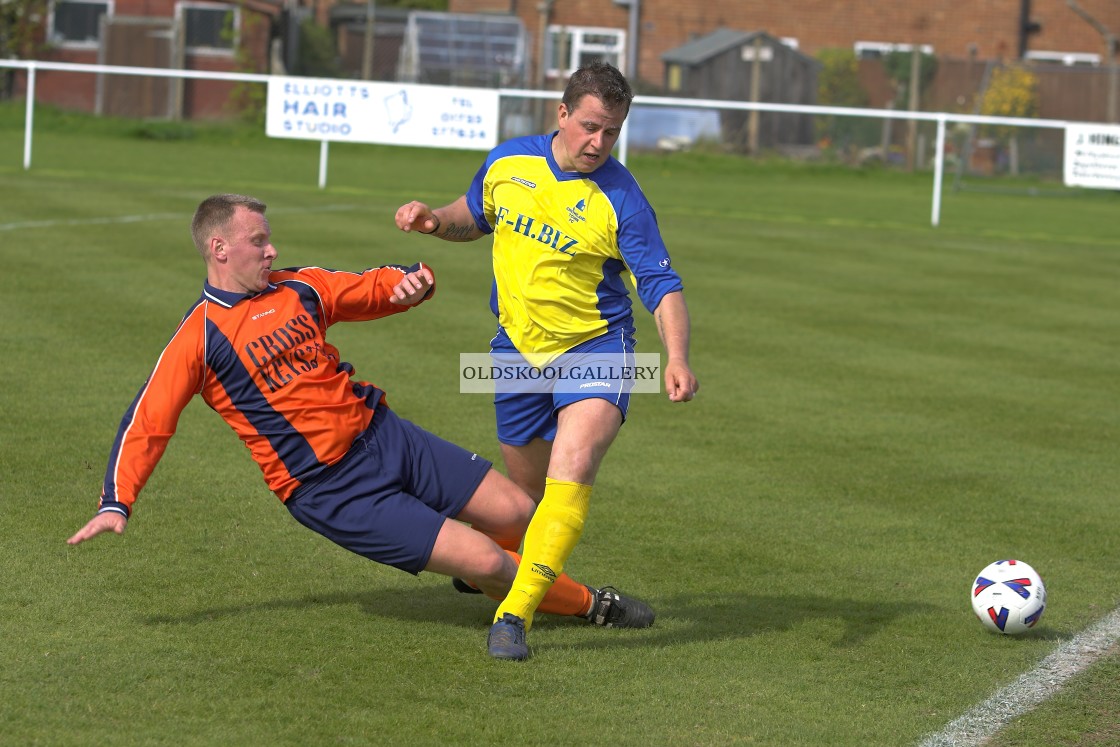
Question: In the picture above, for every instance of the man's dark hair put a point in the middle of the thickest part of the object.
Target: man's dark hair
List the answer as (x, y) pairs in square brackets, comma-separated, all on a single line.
[(601, 80)]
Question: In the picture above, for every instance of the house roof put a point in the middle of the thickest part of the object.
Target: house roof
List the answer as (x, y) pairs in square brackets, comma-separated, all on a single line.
[(715, 43), (705, 47)]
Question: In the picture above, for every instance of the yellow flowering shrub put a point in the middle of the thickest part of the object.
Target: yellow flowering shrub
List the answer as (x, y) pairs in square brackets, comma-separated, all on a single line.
[(1012, 92)]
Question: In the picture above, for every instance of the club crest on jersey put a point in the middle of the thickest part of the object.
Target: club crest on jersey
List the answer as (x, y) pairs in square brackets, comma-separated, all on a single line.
[(575, 212)]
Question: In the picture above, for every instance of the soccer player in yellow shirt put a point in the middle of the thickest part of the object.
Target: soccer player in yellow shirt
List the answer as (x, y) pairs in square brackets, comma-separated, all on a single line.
[(569, 222)]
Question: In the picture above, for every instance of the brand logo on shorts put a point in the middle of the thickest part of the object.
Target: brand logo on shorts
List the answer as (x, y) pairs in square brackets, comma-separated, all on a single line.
[(593, 384)]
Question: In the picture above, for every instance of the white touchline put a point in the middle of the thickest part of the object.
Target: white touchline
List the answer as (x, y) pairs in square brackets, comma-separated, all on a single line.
[(85, 221), (21, 225), (982, 722)]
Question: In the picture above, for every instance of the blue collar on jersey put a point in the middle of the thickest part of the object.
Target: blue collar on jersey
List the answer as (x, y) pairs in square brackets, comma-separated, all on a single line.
[(229, 298)]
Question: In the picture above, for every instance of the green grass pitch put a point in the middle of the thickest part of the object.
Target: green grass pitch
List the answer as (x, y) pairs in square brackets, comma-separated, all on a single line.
[(885, 408)]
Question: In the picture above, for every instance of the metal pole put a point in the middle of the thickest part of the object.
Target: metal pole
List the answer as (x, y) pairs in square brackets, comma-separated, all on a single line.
[(915, 99), (635, 7), (632, 42), (367, 39), (544, 9), (538, 107), (323, 147), (1113, 80), (756, 94)]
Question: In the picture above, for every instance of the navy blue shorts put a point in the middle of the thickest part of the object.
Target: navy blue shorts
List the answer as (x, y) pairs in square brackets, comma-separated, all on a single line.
[(525, 415), (388, 497)]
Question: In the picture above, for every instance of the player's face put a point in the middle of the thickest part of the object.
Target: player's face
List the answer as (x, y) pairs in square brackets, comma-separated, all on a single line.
[(248, 250), (587, 134)]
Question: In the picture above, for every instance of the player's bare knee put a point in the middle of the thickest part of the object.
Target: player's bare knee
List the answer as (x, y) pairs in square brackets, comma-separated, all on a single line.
[(494, 571), (521, 508)]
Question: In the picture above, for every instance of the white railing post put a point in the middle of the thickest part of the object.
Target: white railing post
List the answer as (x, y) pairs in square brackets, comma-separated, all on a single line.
[(323, 147), (623, 144), (938, 170), (29, 116)]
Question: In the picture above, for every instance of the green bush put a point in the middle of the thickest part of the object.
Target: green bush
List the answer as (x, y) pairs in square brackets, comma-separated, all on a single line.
[(838, 85), (897, 66), (318, 56)]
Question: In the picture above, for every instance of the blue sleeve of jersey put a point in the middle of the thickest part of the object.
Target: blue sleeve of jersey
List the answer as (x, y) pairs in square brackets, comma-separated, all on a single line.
[(475, 198), (639, 240)]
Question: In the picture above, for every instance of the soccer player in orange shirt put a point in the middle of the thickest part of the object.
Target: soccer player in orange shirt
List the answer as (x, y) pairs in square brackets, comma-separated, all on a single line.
[(254, 347)]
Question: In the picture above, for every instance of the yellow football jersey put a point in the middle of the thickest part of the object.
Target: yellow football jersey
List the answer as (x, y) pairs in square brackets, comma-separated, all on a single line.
[(562, 243)]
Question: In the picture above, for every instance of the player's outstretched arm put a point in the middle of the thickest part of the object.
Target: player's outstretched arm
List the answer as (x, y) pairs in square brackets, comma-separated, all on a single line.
[(673, 325), (452, 222), (110, 521), (413, 287)]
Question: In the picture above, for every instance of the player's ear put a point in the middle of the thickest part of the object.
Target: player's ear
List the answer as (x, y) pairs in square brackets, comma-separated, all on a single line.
[(217, 248)]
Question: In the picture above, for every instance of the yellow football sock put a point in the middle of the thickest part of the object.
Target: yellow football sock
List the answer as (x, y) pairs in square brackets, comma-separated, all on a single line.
[(552, 534), (565, 597)]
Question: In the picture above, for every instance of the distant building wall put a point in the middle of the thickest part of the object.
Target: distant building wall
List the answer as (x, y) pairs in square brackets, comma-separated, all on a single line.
[(983, 29), (111, 94)]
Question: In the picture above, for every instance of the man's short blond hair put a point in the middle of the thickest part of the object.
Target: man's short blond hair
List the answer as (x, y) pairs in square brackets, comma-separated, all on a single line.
[(215, 213)]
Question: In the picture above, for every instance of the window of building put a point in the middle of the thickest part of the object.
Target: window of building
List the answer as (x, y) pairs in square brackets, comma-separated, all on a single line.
[(210, 28), (77, 23), (868, 50), (569, 47), (1070, 59)]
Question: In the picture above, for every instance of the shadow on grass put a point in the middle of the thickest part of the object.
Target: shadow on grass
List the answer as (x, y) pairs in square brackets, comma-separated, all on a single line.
[(681, 619), (427, 605), (689, 618)]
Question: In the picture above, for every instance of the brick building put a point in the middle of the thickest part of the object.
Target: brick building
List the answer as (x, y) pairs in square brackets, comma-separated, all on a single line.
[(176, 34), (250, 35), (640, 31)]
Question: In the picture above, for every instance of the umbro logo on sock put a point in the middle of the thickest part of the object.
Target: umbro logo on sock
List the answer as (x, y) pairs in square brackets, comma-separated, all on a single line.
[(545, 571)]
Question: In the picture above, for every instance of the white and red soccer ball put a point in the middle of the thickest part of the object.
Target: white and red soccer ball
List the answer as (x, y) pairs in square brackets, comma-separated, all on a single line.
[(1008, 597)]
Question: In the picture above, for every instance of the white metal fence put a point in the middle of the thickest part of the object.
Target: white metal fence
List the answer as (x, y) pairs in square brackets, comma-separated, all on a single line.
[(940, 119)]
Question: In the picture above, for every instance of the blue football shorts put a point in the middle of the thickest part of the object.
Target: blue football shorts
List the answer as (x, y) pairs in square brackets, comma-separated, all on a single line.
[(526, 413), (387, 499)]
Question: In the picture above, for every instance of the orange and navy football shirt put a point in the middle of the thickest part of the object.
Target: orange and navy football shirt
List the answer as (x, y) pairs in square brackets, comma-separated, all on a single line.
[(562, 243), (262, 362)]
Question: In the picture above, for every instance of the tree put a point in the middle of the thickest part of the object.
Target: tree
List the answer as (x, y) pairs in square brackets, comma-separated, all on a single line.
[(21, 32)]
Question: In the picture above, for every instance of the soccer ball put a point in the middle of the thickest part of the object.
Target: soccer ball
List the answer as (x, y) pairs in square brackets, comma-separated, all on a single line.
[(1008, 597)]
